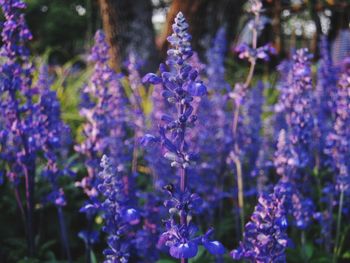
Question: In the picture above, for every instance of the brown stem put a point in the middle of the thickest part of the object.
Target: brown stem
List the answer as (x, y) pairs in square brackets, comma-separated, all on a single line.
[(134, 159), (240, 189), (234, 156)]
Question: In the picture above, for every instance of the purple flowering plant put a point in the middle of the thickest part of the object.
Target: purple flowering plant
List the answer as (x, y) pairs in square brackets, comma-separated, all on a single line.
[(161, 161), (32, 130), (180, 85)]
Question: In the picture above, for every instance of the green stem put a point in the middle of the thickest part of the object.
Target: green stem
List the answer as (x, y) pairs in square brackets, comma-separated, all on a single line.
[(336, 251), (342, 239), (303, 242)]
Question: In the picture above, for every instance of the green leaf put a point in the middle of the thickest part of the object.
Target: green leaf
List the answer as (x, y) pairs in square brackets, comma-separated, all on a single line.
[(346, 255), (93, 257), (47, 245), (308, 250)]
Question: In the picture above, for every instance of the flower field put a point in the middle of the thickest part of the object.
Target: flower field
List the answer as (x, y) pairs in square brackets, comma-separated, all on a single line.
[(226, 155)]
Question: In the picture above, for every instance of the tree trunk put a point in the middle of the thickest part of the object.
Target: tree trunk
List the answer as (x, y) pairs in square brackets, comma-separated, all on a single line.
[(204, 17), (143, 35), (315, 17), (128, 28), (194, 12), (277, 28), (225, 12)]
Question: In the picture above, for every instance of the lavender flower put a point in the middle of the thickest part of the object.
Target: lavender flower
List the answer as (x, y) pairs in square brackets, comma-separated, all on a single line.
[(135, 97), (147, 235), (119, 214), (287, 166), (256, 25), (283, 87), (252, 123), (286, 159), (338, 139), (216, 63), (180, 86), (102, 106), (19, 130), (57, 137), (263, 165), (299, 105), (32, 123), (246, 52), (57, 141), (21, 136), (295, 145), (326, 89), (265, 238), (212, 128), (338, 148)]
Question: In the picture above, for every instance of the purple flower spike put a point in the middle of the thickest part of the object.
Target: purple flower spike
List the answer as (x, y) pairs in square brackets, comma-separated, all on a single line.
[(338, 147), (32, 131), (265, 238), (103, 107), (246, 52), (216, 62), (118, 213), (287, 166), (180, 83)]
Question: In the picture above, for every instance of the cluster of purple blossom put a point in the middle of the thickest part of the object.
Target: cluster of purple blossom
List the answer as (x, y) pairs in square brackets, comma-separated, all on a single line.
[(199, 135), (32, 131)]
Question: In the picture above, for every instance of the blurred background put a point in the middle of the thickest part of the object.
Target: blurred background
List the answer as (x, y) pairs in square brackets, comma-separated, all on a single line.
[(65, 27), (63, 33)]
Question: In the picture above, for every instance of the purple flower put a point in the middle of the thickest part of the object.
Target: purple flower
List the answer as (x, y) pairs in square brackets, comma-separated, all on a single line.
[(137, 117), (265, 238), (118, 212), (251, 123), (298, 103), (181, 86), (21, 134), (103, 107), (216, 63), (283, 87), (246, 52), (57, 137), (326, 89), (338, 147), (31, 123), (287, 165)]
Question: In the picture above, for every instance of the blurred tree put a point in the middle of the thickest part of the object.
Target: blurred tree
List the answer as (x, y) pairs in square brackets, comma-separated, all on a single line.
[(339, 34), (128, 27), (60, 25), (204, 17)]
